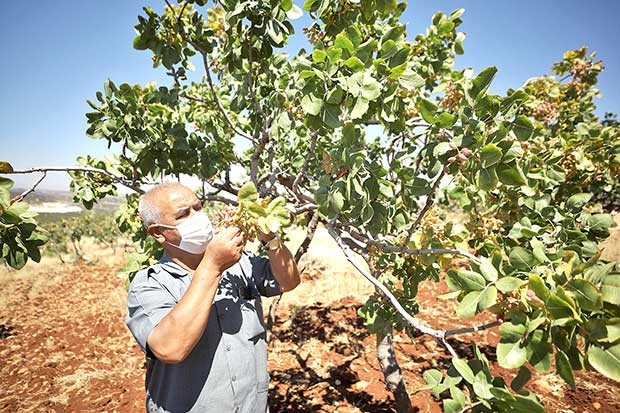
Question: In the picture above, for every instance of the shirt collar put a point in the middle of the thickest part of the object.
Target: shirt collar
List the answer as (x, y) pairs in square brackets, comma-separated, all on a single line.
[(170, 266)]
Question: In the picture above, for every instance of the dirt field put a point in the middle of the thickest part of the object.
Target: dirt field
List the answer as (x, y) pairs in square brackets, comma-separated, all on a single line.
[(64, 346)]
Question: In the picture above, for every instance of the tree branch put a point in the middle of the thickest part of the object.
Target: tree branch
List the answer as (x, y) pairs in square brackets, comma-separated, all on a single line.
[(33, 187), (411, 251), (207, 67), (239, 132), (88, 169), (465, 330), (430, 200), (440, 334)]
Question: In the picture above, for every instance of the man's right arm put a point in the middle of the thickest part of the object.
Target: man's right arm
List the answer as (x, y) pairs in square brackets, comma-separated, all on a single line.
[(175, 336)]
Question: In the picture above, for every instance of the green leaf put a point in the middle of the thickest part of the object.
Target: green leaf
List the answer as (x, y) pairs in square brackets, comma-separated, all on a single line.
[(523, 404), (331, 116), (6, 184), (605, 360), (578, 201), (539, 349), (611, 289), (247, 193), (294, 13), (488, 271), (286, 4), (487, 179), (257, 210), (465, 280), (600, 223), (467, 307), (410, 80), (419, 187), (523, 128), (490, 155), (336, 201), (311, 104), (445, 120), (464, 370), (371, 88), (354, 63), (427, 110), (442, 148), (586, 294), (482, 387), (521, 259), (481, 83), (432, 377), (507, 284), (342, 41), (360, 108), (510, 174), (559, 308), (536, 284), (488, 298), (319, 56), (5, 167), (275, 204), (564, 368), (521, 379), (511, 355)]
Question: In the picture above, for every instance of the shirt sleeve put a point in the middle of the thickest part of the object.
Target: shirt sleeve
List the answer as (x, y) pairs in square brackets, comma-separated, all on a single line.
[(147, 303), (266, 283)]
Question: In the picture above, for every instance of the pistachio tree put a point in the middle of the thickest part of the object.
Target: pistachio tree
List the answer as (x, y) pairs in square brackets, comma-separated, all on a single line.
[(408, 163)]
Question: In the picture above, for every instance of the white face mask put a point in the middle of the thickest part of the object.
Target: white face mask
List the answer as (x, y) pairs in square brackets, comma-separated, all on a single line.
[(196, 233)]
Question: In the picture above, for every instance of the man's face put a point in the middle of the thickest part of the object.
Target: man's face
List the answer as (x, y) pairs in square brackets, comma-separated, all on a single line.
[(176, 205)]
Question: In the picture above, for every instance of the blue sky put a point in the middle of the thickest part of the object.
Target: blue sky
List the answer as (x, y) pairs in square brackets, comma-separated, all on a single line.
[(56, 55)]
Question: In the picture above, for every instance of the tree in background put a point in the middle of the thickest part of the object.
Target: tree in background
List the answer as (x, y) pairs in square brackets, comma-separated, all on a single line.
[(380, 139)]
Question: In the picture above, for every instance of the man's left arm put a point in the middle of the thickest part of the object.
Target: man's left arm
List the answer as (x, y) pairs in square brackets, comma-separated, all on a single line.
[(281, 261)]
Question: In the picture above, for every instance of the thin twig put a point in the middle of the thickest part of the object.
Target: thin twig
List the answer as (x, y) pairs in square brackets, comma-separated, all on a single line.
[(33, 187), (219, 198), (313, 136), (258, 151)]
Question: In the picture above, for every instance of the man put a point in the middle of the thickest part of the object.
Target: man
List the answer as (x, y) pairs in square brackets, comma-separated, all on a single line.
[(197, 312)]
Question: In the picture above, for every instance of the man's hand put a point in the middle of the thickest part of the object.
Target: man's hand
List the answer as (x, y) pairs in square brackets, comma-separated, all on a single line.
[(224, 250)]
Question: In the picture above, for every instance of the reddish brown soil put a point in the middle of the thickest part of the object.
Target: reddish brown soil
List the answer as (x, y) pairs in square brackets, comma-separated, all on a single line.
[(64, 348)]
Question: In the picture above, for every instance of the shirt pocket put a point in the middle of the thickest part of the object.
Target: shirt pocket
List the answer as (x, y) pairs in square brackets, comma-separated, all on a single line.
[(252, 326)]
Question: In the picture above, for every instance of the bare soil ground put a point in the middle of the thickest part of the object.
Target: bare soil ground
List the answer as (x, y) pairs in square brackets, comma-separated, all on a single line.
[(64, 346)]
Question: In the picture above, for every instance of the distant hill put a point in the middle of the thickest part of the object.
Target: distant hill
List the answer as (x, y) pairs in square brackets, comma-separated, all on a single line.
[(45, 200)]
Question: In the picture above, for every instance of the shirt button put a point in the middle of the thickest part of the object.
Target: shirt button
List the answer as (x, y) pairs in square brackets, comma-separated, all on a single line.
[(228, 347)]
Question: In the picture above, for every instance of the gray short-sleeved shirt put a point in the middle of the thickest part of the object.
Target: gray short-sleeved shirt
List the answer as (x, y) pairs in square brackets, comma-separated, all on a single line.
[(227, 370)]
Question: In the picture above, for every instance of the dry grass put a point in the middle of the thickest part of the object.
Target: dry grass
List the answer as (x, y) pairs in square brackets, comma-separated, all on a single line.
[(611, 246), (333, 277)]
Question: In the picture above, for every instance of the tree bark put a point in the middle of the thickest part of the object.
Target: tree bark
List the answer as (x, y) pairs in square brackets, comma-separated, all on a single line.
[(392, 373)]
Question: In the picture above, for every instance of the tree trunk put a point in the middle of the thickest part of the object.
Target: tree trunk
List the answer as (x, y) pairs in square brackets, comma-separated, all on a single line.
[(303, 248), (392, 373)]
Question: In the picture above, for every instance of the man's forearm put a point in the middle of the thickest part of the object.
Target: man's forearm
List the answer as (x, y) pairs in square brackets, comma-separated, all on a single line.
[(284, 268), (173, 339)]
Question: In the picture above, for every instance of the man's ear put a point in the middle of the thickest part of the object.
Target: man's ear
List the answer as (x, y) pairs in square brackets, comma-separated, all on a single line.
[(155, 232)]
